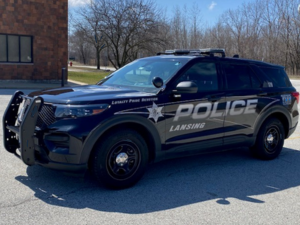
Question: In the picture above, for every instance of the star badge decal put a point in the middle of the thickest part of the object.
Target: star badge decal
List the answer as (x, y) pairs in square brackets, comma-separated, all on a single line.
[(155, 112)]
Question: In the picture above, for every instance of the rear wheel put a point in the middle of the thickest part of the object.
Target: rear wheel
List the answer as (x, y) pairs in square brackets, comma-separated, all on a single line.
[(120, 159), (270, 140)]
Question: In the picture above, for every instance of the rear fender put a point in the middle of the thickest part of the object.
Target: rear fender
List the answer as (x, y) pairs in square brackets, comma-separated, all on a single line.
[(273, 111)]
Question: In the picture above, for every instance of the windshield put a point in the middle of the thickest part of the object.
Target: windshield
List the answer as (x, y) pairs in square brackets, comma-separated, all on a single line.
[(138, 75)]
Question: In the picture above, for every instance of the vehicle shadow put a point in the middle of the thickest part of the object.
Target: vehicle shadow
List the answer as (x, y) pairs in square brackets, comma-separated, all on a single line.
[(218, 177)]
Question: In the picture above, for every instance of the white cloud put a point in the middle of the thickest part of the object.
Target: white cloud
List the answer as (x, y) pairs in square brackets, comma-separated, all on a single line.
[(212, 5), (78, 2)]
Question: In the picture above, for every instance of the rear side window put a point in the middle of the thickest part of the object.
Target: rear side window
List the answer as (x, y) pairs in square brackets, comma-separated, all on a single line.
[(276, 76), (240, 77)]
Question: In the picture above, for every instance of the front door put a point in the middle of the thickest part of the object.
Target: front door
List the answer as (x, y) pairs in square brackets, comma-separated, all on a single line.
[(196, 120)]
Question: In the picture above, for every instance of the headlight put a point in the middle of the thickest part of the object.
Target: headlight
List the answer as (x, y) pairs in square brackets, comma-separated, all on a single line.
[(74, 111)]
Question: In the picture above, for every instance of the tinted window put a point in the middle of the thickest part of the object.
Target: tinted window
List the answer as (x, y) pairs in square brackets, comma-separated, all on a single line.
[(25, 49), (254, 80), (15, 48), (3, 48), (204, 74), (276, 76), (240, 77)]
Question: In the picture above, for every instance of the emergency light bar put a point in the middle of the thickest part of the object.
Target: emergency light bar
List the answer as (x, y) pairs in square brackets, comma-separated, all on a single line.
[(205, 51), (212, 51)]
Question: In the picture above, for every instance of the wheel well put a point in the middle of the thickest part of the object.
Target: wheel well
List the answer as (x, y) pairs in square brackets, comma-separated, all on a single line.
[(283, 120), (140, 129)]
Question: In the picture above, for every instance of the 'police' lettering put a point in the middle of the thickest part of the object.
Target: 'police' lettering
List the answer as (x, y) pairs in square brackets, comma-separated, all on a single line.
[(234, 111), (184, 110), (205, 110), (196, 114), (251, 106)]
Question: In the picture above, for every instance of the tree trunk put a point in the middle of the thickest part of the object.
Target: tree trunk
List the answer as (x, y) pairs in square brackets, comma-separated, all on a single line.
[(98, 59)]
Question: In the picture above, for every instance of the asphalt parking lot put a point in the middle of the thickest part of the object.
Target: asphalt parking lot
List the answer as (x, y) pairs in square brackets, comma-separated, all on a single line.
[(221, 188)]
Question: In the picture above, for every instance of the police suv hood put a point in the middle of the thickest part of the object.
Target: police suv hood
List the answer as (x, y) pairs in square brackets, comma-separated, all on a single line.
[(88, 94)]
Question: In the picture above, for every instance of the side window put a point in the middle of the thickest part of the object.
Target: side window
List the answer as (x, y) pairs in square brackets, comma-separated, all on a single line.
[(276, 76), (240, 77), (16, 49), (204, 74), (255, 81)]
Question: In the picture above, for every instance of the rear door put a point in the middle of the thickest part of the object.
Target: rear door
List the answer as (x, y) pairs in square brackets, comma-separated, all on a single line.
[(244, 97)]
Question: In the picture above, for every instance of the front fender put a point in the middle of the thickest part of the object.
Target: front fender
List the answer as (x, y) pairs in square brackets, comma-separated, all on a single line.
[(102, 128)]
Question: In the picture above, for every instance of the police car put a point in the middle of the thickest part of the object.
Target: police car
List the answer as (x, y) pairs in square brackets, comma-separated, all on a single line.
[(180, 102)]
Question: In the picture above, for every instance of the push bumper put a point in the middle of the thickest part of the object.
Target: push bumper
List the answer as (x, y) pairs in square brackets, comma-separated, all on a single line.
[(25, 131), (21, 139)]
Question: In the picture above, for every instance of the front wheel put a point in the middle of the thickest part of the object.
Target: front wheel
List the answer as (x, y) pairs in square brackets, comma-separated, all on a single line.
[(120, 159), (270, 140)]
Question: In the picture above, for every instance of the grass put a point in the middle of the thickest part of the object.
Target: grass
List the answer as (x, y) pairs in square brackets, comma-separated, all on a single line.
[(87, 77), (85, 69)]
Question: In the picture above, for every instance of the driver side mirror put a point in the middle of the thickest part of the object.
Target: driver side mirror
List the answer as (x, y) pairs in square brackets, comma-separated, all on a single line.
[(157, 82), (186, 87)]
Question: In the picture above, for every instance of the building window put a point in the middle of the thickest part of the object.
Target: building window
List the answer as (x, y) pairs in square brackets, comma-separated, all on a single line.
[(15, 49)]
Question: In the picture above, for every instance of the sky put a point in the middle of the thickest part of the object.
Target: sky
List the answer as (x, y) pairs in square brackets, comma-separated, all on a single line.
[(209, 10)]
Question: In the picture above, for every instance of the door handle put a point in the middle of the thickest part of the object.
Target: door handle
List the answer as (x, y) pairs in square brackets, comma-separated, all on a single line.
[(262, 94), (213, 98)]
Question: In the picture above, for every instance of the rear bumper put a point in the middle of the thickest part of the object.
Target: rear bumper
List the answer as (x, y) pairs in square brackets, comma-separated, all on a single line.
[(21, 139), (292, 130)]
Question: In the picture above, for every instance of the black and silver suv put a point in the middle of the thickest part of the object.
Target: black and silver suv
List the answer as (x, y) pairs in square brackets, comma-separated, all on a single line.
[(180, 102)]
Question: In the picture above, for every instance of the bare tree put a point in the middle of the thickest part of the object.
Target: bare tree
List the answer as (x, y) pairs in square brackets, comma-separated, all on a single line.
[(290, 33), (219, 36), (195, 34), (129, 26), (80, 46), (266, 30), (88, 22)]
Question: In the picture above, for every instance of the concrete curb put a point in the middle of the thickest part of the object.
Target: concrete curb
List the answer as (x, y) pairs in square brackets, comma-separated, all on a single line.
[(36, 85), (77, 82)]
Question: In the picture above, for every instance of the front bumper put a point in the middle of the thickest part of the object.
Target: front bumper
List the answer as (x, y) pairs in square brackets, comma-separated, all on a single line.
[(21, 139)]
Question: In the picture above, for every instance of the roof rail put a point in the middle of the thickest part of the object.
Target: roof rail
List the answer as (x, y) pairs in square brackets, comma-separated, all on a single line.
[(206, 51)]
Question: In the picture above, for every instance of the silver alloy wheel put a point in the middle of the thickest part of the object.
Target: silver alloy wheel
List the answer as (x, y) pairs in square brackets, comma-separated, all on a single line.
[(123, 160), (272, 137)]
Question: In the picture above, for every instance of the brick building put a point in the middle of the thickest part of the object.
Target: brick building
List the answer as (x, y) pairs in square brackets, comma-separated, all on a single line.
[(33, 40)]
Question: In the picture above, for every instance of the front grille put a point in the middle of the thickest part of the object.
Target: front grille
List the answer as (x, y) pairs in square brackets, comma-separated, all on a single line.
[(46, 116)]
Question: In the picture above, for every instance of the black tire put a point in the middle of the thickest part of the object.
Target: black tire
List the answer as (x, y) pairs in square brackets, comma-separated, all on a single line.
[(120, 159), (270, 140)]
